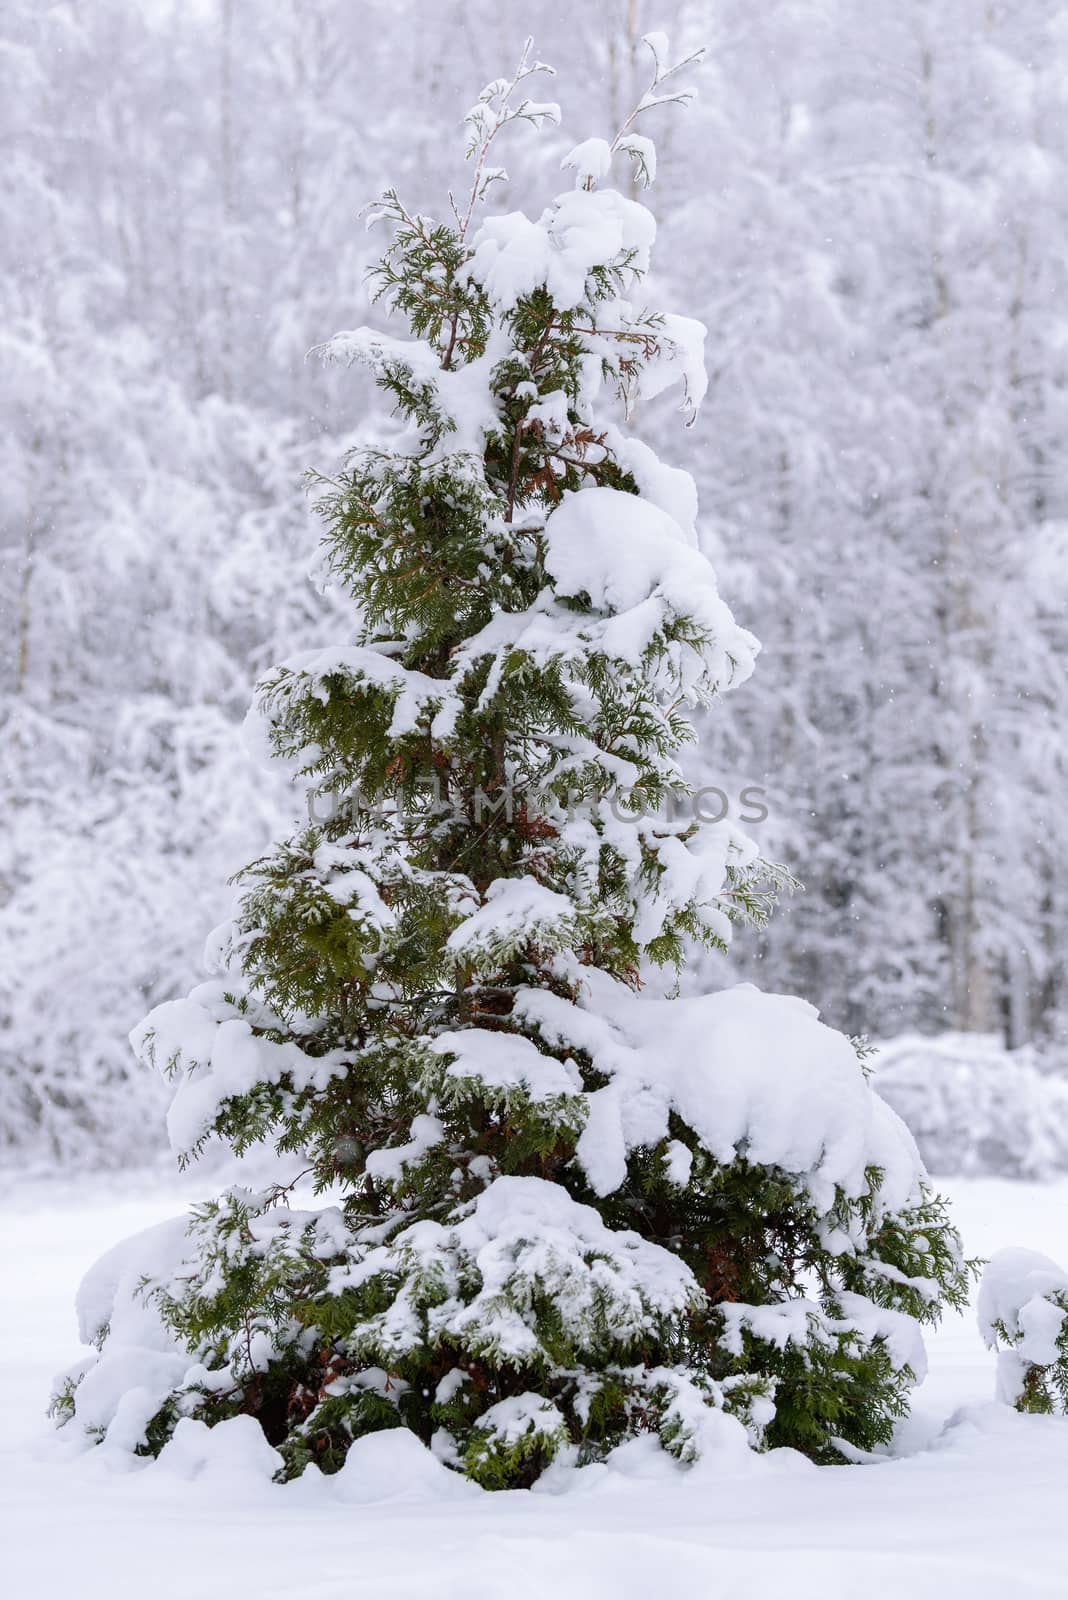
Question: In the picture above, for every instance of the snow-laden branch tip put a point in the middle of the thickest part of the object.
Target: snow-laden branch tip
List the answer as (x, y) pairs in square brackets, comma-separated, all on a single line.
[(591, 161), (659, 47), (492, 112)]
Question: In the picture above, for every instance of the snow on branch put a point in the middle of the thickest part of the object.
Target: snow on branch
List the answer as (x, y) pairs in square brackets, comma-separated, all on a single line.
[(493, 111), (1023, 1315), (592, 160)]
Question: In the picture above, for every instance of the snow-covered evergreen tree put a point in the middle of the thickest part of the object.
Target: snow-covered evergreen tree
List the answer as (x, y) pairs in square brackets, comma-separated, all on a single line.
[(565, 1212)]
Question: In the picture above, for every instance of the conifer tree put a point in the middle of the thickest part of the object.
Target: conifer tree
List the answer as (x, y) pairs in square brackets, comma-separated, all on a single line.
[(565, 1212)]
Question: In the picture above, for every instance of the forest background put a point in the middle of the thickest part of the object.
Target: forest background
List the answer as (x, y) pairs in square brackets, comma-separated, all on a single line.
[(865, 206)]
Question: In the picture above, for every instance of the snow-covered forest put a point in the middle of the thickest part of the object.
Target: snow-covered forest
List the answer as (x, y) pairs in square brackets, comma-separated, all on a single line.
[(533, 717), (864, 207)]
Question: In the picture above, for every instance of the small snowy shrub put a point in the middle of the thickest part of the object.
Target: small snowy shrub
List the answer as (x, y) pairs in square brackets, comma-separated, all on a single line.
[(567, 1213), (1023, 1314)]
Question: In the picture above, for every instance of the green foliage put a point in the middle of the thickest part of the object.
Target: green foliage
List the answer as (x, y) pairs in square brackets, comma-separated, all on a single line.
[(1044, 1389), (63, 1404), (915, 1263), (514, 1457), (753, 1237), (832, 1385), (245, 1280), (326, 1434), (420, 277)]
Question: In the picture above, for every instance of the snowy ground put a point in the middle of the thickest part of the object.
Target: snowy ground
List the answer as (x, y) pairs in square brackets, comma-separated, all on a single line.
[(977, 1509)]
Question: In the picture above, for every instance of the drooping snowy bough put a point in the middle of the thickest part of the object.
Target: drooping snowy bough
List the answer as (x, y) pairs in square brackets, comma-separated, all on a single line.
[(566, 1212)]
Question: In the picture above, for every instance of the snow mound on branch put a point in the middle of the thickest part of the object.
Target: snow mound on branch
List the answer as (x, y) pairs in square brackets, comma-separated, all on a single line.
[(679, 356), (975, 1107), (671, 488), (621, 550), (506, 1061), (646, 580), (527, 1241), (635, 563), (1014, 1293), (580, 230), (389, 1164), (590, 161), (801, 1321), (582, 236), (593, 1273), (516, 911), (642, 152), (106, 1294), (363, 667), (122, 1389), (752, 1074), (215, 1055), (522, 1415)]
